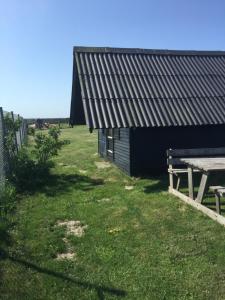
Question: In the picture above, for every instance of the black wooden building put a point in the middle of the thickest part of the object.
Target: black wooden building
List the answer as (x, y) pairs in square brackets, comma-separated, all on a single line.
[(143, 102)]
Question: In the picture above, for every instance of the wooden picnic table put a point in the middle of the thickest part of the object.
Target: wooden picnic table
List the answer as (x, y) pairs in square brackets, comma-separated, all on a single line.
[(206, 165)]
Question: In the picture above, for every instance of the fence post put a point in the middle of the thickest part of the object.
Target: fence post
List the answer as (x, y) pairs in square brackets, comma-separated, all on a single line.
[(16, 144), (20, 133)]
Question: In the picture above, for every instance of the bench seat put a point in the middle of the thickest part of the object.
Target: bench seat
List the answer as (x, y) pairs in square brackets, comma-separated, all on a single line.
[(215, 188), (180, 170)]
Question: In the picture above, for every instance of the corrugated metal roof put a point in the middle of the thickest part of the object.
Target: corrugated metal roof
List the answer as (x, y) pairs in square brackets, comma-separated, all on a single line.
[(147, 88)]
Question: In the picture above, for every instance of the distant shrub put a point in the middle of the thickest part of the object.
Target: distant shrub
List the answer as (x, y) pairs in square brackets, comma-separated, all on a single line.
[(47, 145), (54, 132), (31, 131), (31, 169)]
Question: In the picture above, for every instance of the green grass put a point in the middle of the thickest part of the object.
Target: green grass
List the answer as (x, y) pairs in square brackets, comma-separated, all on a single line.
[(139, 244)]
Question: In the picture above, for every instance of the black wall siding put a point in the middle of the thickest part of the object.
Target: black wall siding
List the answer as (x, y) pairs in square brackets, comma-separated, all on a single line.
[(142, 151), (150, 144), (102, 142), (122, 150), (121, 155)]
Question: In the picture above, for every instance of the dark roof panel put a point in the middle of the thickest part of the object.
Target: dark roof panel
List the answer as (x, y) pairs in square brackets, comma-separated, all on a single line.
[(147, 88)]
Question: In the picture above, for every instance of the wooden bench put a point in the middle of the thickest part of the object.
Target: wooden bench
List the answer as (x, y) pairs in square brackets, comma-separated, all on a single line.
[(177, 168), (219, 192)]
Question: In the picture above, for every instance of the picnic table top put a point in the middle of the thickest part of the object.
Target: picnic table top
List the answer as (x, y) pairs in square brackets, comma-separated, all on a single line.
[(206, 163)]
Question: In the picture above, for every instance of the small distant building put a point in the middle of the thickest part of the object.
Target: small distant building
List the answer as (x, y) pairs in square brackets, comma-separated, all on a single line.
[(143, 102)]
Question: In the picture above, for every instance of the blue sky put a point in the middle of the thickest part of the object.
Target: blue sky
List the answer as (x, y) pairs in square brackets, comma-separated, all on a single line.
[(37, 39)]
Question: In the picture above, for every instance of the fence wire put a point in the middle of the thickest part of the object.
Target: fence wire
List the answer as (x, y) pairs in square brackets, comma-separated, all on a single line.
[(20, 138)]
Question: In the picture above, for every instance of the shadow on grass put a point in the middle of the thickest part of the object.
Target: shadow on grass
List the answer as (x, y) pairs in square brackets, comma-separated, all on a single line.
[(29, 176), (101, 290), (5, 241), (56, 184), (62, 183), (158, 184)]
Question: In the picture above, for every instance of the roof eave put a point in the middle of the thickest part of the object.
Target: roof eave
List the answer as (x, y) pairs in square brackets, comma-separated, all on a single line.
[(147, 51)]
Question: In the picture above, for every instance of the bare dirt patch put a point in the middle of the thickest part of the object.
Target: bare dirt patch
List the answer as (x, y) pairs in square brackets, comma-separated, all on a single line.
[(104, 200), (68, 255), (114, 230), (129, 187), (182, 208), (111, 179), (73, 227), (102, 164), (65, 240), (83, 171)]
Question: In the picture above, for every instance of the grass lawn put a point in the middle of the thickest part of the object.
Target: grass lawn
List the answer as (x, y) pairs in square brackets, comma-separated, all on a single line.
[(139, 243)]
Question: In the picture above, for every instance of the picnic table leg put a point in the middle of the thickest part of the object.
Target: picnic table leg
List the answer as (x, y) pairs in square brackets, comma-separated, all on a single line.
[(218, 207), (171, 180), (202, 187), (190, 183), (178, 183)]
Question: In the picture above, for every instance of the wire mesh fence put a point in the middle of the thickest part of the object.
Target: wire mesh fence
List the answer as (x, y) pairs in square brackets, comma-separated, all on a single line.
[(20, 137)]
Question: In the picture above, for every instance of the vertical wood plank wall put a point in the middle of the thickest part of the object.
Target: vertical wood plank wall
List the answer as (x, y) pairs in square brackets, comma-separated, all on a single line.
[(102, 143), (121, 155), (122, 150)]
